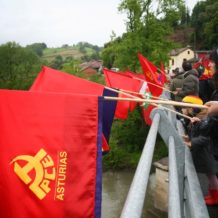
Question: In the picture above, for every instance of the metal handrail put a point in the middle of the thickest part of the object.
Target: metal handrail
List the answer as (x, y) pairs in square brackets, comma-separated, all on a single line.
[(135, 199), (185, 195)]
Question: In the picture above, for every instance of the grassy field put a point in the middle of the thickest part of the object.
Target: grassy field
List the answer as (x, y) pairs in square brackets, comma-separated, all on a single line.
[(50, 53)]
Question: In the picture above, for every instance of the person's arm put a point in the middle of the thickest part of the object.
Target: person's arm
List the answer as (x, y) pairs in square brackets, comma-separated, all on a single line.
[(212, 108)]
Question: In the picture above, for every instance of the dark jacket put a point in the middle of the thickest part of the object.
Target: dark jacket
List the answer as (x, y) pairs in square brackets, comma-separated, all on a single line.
[(177, 82), (206, 88), (204, 148), (214, 96), (190, 84)]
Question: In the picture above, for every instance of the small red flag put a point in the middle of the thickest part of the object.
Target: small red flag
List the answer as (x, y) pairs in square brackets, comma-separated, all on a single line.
[(151, 75), (121, 81), (50, 159), (163, 77)]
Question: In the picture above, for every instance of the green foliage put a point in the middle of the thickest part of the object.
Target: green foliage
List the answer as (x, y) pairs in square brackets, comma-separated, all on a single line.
[(146, 33), (57, 63), (18, 66), (37, 48), (205, 22), (72, 67), (127, 141)]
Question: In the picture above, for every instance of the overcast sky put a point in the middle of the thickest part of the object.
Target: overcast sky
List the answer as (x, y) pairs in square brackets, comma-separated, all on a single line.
[(58, 22)]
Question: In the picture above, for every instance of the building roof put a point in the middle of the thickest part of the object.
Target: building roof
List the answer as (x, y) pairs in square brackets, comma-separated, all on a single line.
[(177, 51), (95, 64)]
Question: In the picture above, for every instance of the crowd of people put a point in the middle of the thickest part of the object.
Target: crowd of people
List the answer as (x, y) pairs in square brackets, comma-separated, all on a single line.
[(202, 127)]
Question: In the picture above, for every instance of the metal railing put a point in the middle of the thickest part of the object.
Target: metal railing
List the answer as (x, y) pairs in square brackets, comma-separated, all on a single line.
[(185, 198)]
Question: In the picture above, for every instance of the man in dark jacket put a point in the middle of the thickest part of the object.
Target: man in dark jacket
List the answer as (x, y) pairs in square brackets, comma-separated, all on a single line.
[(190, 83), (176, 83)]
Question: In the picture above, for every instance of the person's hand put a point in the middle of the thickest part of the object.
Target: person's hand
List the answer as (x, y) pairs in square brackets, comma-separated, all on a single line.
[(212, 107), (195, 119), (189, 144), (185, 138), (175, 92)]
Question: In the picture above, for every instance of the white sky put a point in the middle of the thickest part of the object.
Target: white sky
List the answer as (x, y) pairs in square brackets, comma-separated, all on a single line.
[(58, 22)]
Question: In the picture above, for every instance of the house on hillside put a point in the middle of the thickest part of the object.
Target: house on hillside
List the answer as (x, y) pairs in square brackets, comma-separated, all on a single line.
[(177, 57), (92, 67)]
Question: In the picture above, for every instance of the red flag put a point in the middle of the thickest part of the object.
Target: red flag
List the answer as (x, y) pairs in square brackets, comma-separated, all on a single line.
[(121, 81), (146, 108), (146, 114), (145, 93), (204, 61), (163, 78), (50, 155), (51, 80), (151, 75)]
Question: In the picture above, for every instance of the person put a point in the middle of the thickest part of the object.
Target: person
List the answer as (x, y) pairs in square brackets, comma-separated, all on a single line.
[(176, 84), (213, 103), (190, 83), (214, 60), (206, 86), (203, 143), (189, 111), (212, 108)]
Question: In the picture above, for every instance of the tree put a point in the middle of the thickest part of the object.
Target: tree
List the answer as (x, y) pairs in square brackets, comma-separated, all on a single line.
[(57, 63), (37, 48), (147, 32), (17, 65), (204, 20)]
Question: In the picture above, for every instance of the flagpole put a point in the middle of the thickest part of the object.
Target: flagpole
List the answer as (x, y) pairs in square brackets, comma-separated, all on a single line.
[(137, 93), (175, 103), (160, 106), (176, 112), (153, 84)]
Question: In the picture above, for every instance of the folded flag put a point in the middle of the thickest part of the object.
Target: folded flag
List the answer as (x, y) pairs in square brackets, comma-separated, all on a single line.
[(50, 80), (50, 159)]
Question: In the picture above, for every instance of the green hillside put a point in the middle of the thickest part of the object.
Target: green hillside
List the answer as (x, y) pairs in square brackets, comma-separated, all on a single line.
[(50, 53), (82, 49)]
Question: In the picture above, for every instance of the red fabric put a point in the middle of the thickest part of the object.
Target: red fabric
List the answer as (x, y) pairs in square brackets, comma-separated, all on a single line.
[(151, 75), (207, 71), (163, 74), (146, 114), (121, 81), (51, 80), (65, 128)]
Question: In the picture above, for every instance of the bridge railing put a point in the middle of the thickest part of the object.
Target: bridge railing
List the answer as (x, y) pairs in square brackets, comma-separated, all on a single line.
[(185, 198)]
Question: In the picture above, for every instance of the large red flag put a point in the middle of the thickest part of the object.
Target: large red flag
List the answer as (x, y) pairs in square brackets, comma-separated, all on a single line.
[(50, 159), (151, 75), (51, 80), (120, 80)]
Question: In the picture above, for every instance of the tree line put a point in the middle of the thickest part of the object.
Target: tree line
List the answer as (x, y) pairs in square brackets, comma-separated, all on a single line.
[(154, 32)]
